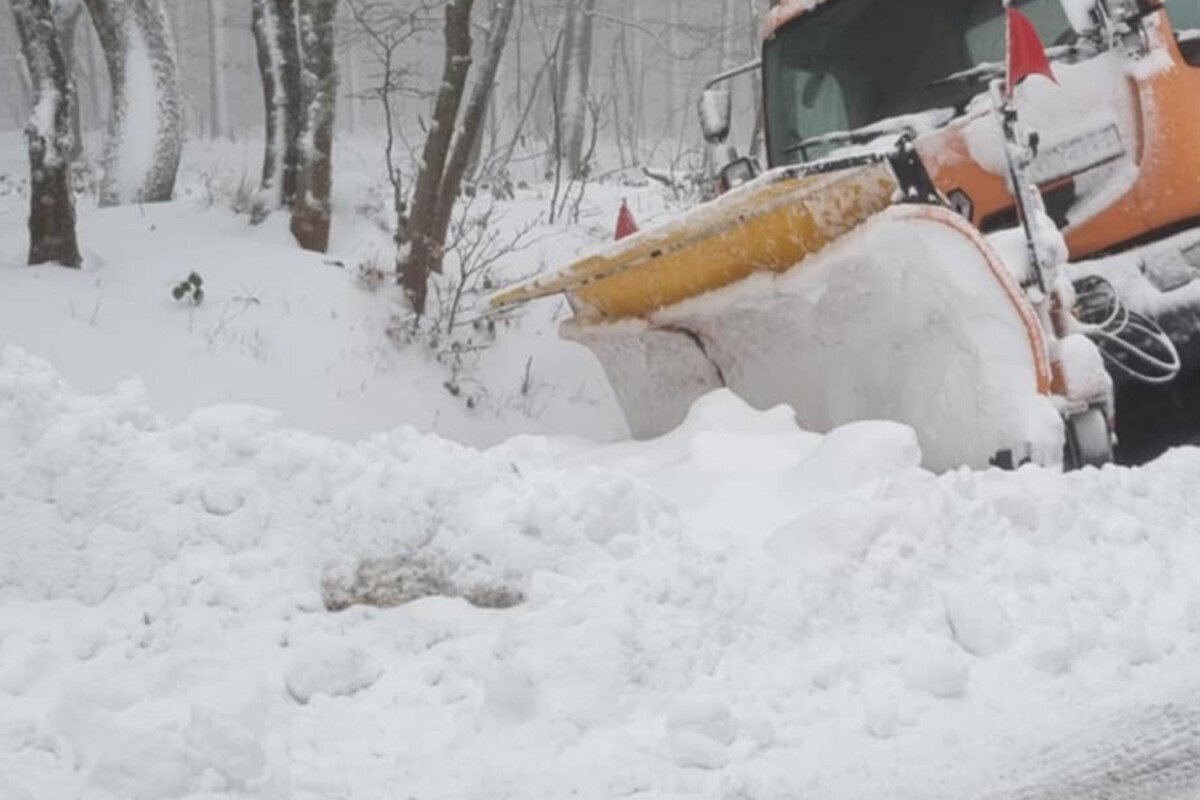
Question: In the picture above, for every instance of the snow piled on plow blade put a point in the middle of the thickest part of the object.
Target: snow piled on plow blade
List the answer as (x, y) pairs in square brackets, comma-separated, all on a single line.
[(906, 318)]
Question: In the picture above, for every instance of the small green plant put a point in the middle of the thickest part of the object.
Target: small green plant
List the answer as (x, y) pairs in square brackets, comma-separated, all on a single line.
[(191, 290)]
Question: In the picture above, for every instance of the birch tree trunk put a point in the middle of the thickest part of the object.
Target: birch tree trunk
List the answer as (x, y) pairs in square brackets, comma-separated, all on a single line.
[(312, 210), (146, 132), (219, 119), (416, 266), (48, 134), (66, 20), (576, 85), (275, 24)]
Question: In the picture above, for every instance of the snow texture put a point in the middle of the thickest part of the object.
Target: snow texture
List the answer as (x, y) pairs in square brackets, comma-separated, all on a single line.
[(739, 609), (292, 331)]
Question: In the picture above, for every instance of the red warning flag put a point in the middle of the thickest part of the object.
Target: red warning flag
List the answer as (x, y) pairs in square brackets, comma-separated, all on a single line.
[(1026, 56), (626, 225)]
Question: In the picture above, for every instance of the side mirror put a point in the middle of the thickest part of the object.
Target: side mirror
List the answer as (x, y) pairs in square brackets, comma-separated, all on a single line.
[(1086, 16), (716, 115)]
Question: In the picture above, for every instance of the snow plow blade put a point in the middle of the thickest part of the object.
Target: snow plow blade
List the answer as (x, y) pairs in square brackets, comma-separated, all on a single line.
[(829, 293), (764, 227)]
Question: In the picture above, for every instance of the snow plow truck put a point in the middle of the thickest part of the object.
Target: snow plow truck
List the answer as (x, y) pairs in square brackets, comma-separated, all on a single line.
[(1009, 268)]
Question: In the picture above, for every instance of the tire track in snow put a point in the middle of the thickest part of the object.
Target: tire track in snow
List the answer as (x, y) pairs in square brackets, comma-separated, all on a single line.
[(1153, 754)]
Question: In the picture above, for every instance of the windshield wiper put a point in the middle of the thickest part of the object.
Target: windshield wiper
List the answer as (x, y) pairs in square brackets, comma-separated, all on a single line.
[(908, 124), (841, 138), (980, 72), (996, 69)]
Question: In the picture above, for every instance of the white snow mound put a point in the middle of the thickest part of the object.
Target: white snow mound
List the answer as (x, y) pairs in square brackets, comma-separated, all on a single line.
[(738, 610)]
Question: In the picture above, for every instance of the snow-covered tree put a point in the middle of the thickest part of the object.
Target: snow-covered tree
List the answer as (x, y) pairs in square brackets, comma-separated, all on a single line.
[(219, 119), (453, 140), (470, 127), (576, 79), (312, 210), (276, 27), (416, 266), (66, 20), (146, 115), (51, 202)]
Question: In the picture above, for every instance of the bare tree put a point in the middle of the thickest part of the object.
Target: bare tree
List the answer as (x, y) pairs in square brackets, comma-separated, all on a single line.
[(577, 70), (312, 210), (146, 116), (416, 266), (275, 24), (219, 121), (385, 40), (51, 203), (470, 133), (453, 142)]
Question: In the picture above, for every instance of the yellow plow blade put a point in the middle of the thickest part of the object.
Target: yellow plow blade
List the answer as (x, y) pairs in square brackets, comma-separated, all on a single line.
[(770, 225)]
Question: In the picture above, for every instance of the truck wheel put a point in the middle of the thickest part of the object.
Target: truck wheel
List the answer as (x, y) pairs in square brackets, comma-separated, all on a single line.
[(1089, 440)]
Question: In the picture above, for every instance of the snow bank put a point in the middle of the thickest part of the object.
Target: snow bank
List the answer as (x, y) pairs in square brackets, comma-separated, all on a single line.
[(291, 330), (738, 610)]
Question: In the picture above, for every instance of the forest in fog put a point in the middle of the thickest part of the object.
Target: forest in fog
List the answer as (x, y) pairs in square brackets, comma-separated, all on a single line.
[(648, 60)]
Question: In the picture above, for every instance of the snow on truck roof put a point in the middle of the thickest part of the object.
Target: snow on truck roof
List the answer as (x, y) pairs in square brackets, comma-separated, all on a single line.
[(786, 11)]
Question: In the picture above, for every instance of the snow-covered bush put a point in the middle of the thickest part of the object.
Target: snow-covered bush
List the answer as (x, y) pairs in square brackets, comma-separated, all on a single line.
[(459, 326)]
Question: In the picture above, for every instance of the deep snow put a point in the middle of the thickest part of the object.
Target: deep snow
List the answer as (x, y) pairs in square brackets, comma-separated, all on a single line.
[(291, 330), (739, 610)]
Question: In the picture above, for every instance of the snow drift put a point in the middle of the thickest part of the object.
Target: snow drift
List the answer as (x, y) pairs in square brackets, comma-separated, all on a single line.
[(738, 610)]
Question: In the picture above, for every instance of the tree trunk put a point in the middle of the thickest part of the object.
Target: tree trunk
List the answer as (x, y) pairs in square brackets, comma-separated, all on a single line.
[(757, 138), (576, 86), (312, 211), (95, 89), (729, 26), (470, 129), (51, 203), (277, 41), (219, 120), (562, 67), (352, 89), (146, 121), (673, 47), (66, 19), (423, 249)]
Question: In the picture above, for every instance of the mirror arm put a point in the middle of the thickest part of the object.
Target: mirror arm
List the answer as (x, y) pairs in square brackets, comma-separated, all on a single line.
[(749, 66)]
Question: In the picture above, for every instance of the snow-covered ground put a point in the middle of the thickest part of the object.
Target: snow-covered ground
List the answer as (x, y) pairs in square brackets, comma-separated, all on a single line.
[(740, 610), (294, 331)]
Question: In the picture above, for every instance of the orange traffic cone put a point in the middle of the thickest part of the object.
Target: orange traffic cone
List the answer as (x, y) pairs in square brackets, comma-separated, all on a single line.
[(626, 225)]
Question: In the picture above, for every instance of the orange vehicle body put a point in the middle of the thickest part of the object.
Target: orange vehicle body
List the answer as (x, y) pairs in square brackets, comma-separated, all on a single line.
[(1166, 192)]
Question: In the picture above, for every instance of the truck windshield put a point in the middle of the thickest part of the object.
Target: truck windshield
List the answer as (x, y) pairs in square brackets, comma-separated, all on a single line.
[(1185, 14), (851, 63)]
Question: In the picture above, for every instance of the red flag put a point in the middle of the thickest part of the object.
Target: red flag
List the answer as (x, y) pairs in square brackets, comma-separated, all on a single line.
[(1026, 56), (626, 225)]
